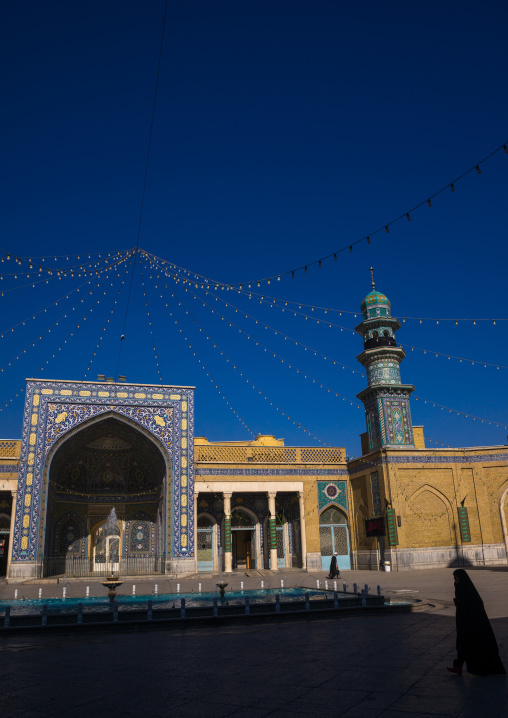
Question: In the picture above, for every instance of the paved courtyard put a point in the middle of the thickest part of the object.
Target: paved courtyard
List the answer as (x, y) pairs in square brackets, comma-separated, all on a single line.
[(392, 666)]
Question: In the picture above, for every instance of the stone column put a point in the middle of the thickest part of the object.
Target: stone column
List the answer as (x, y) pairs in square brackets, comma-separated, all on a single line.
[(272, 531), (303, 535), (14, 495), (228, 559)]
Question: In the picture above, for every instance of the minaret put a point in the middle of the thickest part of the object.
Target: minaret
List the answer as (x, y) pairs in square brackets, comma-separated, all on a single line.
[(386, 399)]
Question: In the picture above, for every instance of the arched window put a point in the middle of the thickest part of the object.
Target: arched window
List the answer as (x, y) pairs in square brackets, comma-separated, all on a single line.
[(375, 334), (386, 333), (334, 537), (241, 519), (205, 522)]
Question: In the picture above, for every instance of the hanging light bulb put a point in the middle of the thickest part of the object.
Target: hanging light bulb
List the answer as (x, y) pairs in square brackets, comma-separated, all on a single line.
[(452, 187), (478, 169)]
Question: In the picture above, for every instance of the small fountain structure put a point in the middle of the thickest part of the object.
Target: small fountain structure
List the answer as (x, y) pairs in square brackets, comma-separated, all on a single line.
[(221, 585), (112, 582)]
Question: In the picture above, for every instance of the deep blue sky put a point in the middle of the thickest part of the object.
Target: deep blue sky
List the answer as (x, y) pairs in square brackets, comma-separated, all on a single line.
[(283, 131)]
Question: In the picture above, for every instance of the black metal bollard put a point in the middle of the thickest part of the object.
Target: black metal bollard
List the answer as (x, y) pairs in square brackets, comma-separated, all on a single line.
[(45, 615), (379, 590), (149, 612), (7, 617), (182, 608), (364, 600), (307, 602), (80, 614), (355, 588), (277, 603), (247, 604), (335, 599)]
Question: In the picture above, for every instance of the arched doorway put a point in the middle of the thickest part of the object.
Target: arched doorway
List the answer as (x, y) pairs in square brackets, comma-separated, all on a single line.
[(107, 464), (334, 536), (5, 525), (244, 539), (206, 542), (106, 547)]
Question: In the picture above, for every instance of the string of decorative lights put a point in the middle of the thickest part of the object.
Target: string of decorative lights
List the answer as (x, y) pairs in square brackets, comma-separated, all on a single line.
[(326, 322), (289, 364), (458, 412), (23, 322), (305, 347), (150, 323), (285, 302), (451, 356), (52, 356), (221, 393), (47, 279), (384, 228), (71, 269), (48, 257), (468, 415), (228, 360), (52, 326), (110, 314)]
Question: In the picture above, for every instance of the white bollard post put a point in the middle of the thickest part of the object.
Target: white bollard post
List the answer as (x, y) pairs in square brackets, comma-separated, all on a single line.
[(88, 591), (282, 583), (156, 589), (178, 588), (317, 583), (326, 585), (133, 589), (335, 585), (16, 593), (262, 584), (64, 593), (199, 587), (241, 585), (40, 593)]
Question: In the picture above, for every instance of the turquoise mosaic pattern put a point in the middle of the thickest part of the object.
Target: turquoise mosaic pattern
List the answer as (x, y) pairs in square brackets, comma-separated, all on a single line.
[(376, 494), (332, 492), (383, 372)]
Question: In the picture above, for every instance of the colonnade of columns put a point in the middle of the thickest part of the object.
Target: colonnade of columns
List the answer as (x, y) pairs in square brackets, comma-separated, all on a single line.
[(272, 531)]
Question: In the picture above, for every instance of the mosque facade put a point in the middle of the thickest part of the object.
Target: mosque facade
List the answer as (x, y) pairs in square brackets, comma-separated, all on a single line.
[(109, 476)]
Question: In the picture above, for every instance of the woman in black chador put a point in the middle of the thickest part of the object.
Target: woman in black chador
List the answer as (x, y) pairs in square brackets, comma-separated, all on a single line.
[(334, 569), (476, 643)]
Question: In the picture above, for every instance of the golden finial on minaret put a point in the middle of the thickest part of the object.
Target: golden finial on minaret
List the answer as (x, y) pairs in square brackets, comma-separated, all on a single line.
[(371, 270)]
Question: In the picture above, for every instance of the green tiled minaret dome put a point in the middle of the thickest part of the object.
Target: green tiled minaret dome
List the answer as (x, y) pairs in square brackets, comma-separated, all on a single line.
[(375, 304)]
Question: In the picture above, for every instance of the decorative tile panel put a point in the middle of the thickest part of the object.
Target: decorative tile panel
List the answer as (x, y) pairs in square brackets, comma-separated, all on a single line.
[(332, 492), (54, 411)]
